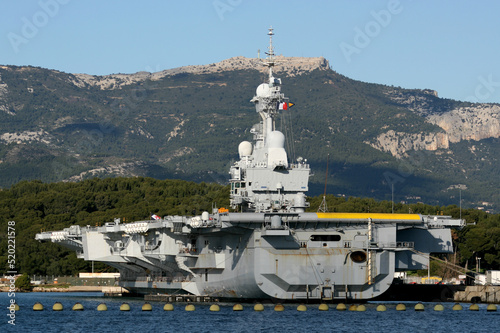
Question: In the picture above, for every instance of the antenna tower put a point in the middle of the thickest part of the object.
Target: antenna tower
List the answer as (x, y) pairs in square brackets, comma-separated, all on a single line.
[(323, 206)]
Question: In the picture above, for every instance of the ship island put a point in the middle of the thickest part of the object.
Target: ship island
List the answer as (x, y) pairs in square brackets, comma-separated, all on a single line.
[(265, 245)]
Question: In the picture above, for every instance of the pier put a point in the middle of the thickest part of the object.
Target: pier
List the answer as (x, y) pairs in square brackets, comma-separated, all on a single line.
[(107, 290), (479, 294)]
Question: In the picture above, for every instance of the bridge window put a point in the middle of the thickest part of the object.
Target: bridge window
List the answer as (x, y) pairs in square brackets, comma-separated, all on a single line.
[(325, 238)]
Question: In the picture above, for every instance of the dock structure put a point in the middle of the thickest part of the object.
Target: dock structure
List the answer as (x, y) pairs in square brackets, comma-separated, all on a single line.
[(479, 294), (113, 291)]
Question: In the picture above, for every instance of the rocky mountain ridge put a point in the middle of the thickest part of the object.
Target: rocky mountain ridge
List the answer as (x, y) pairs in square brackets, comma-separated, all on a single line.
[(475, 122), (290, 65)]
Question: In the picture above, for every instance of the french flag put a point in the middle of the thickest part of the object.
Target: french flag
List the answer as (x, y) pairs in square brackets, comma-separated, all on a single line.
[(282, 106), (155, 217)]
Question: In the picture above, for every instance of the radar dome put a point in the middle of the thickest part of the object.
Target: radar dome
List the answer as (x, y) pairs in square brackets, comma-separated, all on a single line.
[(263, 90), (276, 139), (245, 149)]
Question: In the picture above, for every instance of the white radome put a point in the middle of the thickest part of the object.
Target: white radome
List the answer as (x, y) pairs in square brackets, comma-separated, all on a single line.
[(263, 90), (245, 148), (276, 139)]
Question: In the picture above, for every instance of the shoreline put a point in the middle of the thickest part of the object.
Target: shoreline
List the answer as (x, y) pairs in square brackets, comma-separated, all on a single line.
[(397, 293)]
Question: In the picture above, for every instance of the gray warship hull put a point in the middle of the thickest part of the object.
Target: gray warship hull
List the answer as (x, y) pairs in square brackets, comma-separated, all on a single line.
[(314, 256), (270, 247)]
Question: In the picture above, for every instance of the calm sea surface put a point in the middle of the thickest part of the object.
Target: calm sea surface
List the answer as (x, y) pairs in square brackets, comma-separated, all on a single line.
[(202, 320)]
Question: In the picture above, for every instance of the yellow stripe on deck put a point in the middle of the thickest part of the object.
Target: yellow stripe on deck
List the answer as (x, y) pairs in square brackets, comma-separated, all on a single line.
[(374, 216)]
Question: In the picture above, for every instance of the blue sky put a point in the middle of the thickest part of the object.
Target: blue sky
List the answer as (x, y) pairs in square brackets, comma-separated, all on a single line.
[(452, 47)]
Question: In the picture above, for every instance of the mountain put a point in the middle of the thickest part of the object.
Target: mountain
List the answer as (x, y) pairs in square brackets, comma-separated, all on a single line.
[(379, 141)]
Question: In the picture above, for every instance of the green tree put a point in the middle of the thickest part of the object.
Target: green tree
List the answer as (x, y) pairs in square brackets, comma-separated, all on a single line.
[(23, 283)]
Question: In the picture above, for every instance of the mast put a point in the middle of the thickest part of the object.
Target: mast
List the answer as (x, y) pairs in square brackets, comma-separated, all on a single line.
[(267, 107), (270, 54)]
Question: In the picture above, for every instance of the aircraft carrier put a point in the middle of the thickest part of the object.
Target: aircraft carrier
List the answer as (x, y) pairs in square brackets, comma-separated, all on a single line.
[(265, 246)]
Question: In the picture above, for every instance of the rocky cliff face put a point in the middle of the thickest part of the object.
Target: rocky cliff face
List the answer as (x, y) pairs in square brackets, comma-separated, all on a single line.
[(399, 143), (477, 122), (460, 121), (291, 66)]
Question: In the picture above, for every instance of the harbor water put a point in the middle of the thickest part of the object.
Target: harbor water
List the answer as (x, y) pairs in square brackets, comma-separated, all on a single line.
[(227, 320)]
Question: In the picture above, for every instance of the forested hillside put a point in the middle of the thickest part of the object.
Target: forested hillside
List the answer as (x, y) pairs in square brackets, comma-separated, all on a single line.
[(35, 206)]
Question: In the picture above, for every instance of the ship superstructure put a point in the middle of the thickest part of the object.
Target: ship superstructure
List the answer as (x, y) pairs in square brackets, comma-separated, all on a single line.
[(269, 247), (263, 180)]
